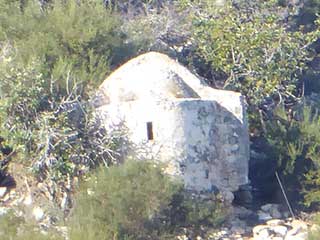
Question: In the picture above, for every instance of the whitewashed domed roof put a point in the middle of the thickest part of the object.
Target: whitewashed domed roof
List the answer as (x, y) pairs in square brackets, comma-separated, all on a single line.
[(151, 75), (155, 76)]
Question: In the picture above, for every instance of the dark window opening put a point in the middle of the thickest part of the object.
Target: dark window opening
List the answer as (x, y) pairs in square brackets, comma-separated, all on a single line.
[(149, 130), (207, 174)]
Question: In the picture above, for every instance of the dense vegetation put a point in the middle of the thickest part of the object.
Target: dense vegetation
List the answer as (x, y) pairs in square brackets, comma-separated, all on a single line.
[(50, 65), (264, 51), (53, 54), (131, 201), (136, 201)]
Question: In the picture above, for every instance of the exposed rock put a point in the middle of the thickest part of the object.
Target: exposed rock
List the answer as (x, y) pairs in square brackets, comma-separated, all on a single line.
[(263, 234), (281, 230), (227, 196), (27, 200), (183, 237), (3, 191), (6, 198), (238, 227), (269, 211), (257, 229), (242, 212), (275, 213), (38, 213), (275, 229), (315, 228), (285, 214), (275, 222), (238, 230), (299, 236), (3, 211), (298, 224), (222, 234), (263, 216), (293, 231), (268, 207)]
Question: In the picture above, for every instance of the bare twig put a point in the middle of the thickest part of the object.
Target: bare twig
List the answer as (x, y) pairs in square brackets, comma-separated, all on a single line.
[(285, 195)]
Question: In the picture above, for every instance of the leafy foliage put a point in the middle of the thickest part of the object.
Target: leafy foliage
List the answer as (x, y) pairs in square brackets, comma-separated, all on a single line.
[(24, 93), (53, 56), (136, 201), (55, 136), (312, 192), (308, 13), (255, 48), (314, 234), (119, 202), (296, 143), (13, 227), (79, 37), (188, 209), (260, 57)]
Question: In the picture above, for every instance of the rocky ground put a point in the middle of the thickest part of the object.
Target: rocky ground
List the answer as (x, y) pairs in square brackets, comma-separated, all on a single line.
[(270, 222), (45, 203), (275, 229)]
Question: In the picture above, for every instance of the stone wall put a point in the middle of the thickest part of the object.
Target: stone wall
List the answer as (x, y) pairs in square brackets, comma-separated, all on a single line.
[(171, 116), (199, 140)]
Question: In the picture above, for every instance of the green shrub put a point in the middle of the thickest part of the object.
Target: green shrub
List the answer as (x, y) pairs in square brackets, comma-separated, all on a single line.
[(308, 13), (249, 47), (296, 145), (52, 53), (191, 210), (52, 136), (119, 202), (255, 51), (81, 37), (312, 188), (314, 234), (55, 58), (209, 211), (24, 94), (15, 228), (136, 201)]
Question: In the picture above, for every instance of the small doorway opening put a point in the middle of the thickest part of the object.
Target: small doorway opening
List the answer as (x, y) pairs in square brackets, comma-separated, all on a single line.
[(149, 131)]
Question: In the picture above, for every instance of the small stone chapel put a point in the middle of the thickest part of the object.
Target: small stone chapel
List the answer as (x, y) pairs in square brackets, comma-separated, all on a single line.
[(172, 116)]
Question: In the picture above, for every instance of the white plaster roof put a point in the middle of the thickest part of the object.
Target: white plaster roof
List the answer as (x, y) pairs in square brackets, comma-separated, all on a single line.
[(155, 76)]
